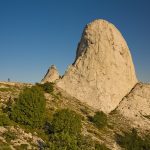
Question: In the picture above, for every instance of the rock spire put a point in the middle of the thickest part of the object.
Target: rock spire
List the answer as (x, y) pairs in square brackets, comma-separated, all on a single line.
[(52, 75), (103, 71)]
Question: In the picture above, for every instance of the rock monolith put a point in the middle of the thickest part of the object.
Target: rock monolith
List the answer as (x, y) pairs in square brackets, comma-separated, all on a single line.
[(103, 71)]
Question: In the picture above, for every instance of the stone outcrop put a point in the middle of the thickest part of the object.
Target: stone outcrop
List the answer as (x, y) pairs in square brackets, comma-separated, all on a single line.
[(52, 75), (103, 71), (136, 106)]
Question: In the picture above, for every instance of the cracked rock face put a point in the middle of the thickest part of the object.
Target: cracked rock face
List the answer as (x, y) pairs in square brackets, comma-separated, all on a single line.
[(103, 71), (51, 76)]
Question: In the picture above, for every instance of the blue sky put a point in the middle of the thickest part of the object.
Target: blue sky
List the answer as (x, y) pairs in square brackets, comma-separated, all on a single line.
[(37, 33)]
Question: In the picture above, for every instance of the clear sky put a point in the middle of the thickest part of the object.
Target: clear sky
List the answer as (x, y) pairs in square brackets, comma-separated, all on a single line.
[(37, 33)]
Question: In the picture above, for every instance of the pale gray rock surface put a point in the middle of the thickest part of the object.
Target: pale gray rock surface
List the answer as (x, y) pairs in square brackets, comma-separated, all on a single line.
[(52, 75), (136, 106), (103, 71)]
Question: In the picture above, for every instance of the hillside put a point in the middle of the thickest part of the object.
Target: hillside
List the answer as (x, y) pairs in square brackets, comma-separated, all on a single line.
[(26, 138)]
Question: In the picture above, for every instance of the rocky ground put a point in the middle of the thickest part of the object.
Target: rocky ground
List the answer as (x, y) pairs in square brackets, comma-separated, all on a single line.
[(117, 120)]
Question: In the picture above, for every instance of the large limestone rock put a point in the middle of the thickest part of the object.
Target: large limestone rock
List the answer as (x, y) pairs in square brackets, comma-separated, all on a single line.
[(103, 71), (136, 106), (51, 76)]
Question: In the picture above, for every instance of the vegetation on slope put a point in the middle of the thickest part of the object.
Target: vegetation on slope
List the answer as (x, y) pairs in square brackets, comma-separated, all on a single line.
[(29, 108), (131, 141), (66, 133), (61, 128), (99, 119), (47, 87), (4, 119), (66, 121)]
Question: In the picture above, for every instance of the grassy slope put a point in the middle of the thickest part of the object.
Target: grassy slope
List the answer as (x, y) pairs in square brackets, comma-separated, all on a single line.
[(59, 99)]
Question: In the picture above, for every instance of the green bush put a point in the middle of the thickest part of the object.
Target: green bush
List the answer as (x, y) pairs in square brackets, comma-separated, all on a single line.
[(65, 129), (63, 141), (131, 141), (8, 107), (66, 121), (9, 135), (4, 120), (99, 119), (29, 108), (66, 133), (47, 87)]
